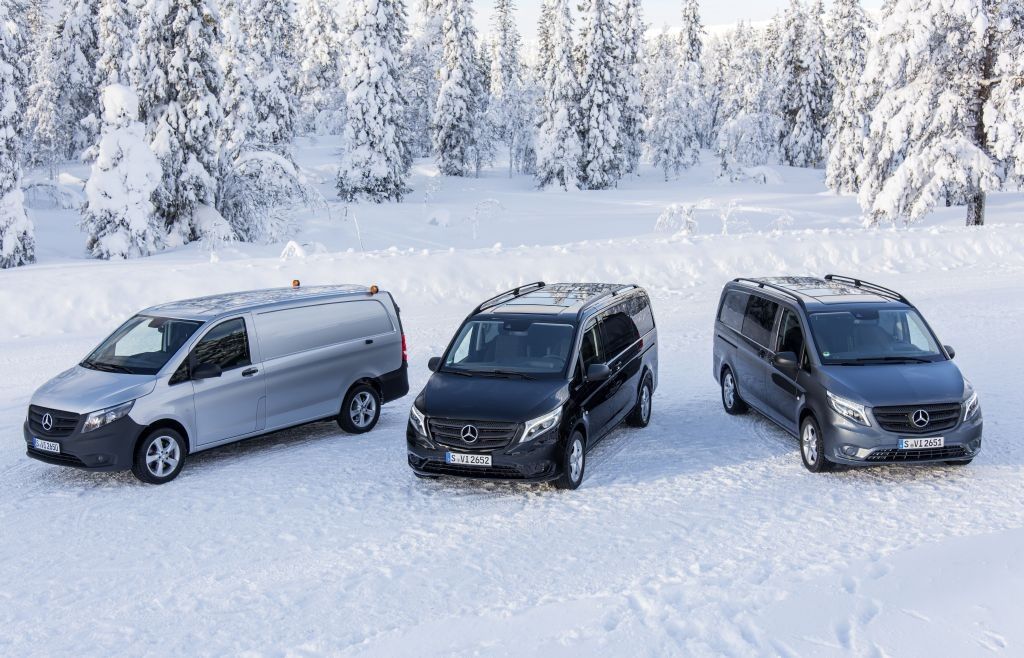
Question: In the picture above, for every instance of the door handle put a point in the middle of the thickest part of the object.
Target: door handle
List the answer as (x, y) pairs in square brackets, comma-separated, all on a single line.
[(369, 341), (249, 372)]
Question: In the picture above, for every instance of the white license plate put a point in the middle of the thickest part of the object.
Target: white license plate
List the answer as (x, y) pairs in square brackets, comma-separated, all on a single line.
[(918, 444), (48, 446), (467, 460)]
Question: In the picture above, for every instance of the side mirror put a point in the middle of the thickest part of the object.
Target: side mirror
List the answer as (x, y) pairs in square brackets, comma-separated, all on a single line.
[(598, 372), (787, 362), (434, 363), (950, 351), (207, 371)]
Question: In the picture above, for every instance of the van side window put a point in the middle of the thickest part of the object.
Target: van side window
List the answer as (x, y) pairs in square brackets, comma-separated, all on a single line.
[(226, 345), (733, 307), (619, 332), (791, 336), (639, 308), (759, 319), (591, 351)]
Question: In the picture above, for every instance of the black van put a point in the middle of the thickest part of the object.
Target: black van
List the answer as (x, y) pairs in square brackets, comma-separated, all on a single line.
[(533, 379)]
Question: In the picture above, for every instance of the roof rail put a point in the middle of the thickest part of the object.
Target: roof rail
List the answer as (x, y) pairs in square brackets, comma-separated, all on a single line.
[(508, 295), (777, 288), (590, 303), (870, 287)]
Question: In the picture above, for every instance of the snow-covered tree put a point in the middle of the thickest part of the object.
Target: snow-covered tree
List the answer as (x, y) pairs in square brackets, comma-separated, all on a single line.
[(118, 215), (1004, 109), (271, 34), (376, 159), (631, 29), (76, 50), (319, 70), (17, 242), (421, 60), (458, 113), (179, 81), (673, 133), (117, 24), (715, 61), (940, 105), (600, 108), (691, 56), (806, 85), (510, 107), (236, 91), (847, 125), (558, 145), (47, 122)]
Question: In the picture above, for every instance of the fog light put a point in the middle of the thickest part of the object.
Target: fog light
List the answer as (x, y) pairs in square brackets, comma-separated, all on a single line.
[(851, 451)]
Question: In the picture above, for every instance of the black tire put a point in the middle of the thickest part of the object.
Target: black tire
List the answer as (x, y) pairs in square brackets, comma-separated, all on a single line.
[(640, 416), (731, 400), (360, 410), (576, 442), (160, 456), (812, 447), (960, 462)]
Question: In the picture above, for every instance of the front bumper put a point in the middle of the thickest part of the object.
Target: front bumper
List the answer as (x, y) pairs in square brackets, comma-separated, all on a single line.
[(109, 448), (856, 445), (535, 461)]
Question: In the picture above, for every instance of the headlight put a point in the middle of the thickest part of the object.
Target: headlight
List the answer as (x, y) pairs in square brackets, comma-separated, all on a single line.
[(418, 421), (847, 409), (971, 407), (542, 425), (98, 419)]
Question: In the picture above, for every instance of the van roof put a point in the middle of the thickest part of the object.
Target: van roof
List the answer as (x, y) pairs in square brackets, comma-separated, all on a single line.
[(212, 306), (561, 299), (824, 292)]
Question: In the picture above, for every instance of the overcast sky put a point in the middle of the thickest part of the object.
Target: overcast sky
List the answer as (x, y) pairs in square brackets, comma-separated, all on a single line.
[(657, 12)]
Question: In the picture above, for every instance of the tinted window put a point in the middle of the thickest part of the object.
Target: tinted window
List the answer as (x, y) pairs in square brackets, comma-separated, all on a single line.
[(873, 334), (759, 318), (141, 346), (226, 345), (591, 349), (619, 331), (733, 307), (791, 336), (296, 330), (521, 346), (639, 307)]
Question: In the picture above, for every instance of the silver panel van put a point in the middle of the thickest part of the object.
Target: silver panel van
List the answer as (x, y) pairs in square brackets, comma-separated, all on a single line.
[(195, 374)]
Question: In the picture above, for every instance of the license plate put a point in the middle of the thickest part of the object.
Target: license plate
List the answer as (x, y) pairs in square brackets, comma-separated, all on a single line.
[(918, 444), (467, 460), (48, 446)]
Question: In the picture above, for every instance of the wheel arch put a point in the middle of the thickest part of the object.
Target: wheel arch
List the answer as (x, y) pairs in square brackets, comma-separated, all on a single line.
[(164, 423)]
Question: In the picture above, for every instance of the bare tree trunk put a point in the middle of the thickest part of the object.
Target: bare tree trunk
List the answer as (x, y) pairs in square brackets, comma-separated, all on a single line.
[(976, 209)]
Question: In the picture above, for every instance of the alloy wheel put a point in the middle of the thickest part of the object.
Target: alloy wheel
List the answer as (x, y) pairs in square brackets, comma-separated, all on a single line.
[(162, 456), (363, 409)]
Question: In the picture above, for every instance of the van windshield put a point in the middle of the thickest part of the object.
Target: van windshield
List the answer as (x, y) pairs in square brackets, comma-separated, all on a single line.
[(873, 336), (523, 348), (141, 346)]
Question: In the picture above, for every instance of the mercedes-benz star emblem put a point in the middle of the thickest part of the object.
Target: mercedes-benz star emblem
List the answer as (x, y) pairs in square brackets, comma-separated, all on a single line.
[(470, 434), (47, 422), (920, 418)]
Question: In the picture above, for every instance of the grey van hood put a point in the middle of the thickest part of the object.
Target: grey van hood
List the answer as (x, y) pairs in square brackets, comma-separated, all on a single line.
[(895, 384), (81, 390)]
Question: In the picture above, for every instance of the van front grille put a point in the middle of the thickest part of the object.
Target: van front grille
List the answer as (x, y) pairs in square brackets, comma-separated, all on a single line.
[(490, 436), (900, 420), (62, 423), (925, 454)]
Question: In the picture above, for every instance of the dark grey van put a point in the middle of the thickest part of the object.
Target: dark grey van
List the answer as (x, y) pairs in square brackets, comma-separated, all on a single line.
[(849, 367)]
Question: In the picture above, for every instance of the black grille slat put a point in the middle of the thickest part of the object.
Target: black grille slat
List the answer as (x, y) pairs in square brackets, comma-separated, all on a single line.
[(492, 435), (924, 454), (60, 458), (64, 422), (494, 472), (942, 417)]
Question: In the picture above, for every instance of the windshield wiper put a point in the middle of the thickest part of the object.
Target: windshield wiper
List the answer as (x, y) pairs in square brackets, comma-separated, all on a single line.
[(506, 373), (107, 367), (461, 373), (893, 359)]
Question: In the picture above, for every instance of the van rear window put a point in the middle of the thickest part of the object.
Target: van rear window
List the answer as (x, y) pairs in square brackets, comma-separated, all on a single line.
[(733, 308), (295, 330)]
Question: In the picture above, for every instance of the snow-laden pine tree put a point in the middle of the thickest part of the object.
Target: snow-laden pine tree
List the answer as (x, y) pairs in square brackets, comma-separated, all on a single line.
[(76, 50), (691, 49), (118, 215), (631, 28), (806, 85), (1004, 109), (934, 68), (375, 163), (37, 30), (509, 105), (236, 92), (17, 242), (847, 125), (672, 130), (455, 125), (558, 144), (715, 60), (117, 24), (320, 64), (421, 60), (175, 67), (599, 61), (271, 33), (46, 120)]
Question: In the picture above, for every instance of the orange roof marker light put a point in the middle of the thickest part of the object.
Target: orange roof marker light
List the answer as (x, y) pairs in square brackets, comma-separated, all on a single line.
[(295, 283), (374, 289)]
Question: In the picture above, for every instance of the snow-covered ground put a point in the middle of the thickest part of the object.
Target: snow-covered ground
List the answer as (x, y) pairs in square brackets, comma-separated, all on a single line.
[(699, 535)]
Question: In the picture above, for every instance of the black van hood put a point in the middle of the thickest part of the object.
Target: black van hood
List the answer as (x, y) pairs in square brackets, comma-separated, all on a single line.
[(894, 384), (498, 399)]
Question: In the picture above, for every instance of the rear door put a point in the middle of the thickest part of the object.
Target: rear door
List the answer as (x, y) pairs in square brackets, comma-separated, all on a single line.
[(622, 345), (753, 353), (233, 404)]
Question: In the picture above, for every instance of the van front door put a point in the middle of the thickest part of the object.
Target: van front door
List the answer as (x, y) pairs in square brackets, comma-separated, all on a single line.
[(782, 388), (233, 403), (595, 398)]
